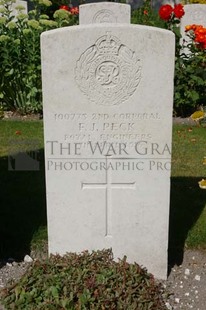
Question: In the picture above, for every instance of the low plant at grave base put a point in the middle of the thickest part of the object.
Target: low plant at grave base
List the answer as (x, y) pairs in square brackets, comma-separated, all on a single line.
[(85, 281), (20, 69)]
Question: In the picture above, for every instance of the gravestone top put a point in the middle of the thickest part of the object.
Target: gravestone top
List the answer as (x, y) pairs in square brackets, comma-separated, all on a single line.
[(104, 12), (107, 157)]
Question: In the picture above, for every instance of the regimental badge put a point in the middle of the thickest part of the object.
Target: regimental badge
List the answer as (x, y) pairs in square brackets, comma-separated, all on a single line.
[(108, 72)]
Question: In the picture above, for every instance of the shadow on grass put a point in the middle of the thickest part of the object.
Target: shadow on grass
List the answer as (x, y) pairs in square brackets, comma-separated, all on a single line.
[(22, 206), (186, 204)]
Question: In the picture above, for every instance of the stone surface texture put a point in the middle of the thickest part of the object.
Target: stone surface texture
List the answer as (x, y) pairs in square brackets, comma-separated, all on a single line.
[(108, 93)]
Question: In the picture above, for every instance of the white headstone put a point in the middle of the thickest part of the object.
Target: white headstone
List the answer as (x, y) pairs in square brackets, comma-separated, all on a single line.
[(104, 12), (194, 14), (108, 96)]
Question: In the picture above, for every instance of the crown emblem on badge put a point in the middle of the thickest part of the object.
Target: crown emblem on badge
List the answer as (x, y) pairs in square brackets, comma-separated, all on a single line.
[(108, 44)]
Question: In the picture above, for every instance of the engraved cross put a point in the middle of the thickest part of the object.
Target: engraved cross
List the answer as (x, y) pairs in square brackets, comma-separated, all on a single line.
[(108, 186)]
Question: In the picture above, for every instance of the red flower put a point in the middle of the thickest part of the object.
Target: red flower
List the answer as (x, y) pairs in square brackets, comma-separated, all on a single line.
[(145, 12), (165, 12), (74, 10), (179, 10), (64, 7)]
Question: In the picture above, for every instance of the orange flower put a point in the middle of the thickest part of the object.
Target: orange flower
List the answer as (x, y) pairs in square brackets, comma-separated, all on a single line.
[(145, 12), (188, 28), (199, 35)]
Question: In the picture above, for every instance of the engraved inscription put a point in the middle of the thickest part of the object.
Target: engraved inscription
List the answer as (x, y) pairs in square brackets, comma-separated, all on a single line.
[(108, 72), (104, 16), (105, 116)]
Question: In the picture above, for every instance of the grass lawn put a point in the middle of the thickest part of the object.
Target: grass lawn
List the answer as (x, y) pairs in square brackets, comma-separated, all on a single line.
[(188, 151), (23, 203)]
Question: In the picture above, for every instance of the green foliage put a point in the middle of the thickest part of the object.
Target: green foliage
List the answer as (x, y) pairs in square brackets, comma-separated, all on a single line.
[(85, 281), (190, 69), (190, 80), (20, 63), (145, 15)]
